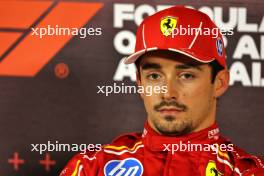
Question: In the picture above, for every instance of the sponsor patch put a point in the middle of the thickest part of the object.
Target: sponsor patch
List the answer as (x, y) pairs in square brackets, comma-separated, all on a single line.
[(126, 167), (219, 46)]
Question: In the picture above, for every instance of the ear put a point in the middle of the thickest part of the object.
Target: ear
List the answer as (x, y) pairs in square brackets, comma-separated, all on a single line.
[(221, 82), (139, 82)]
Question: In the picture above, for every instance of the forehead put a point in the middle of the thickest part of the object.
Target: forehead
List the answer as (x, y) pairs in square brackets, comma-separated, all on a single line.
[(163, 57)]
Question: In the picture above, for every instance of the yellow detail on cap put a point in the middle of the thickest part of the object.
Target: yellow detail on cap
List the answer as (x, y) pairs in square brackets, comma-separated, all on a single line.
[(167, 25)]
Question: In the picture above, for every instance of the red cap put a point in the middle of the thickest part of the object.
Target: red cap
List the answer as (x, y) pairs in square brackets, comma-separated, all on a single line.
[(161, 31)]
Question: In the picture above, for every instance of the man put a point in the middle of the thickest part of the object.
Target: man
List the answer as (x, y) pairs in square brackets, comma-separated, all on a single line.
[(181, 136)]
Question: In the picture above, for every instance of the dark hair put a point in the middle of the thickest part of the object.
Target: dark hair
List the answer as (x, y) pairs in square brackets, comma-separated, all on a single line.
[(216, 67)]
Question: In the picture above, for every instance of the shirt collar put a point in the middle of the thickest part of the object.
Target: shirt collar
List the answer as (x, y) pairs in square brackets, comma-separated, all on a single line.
[(156, 142)]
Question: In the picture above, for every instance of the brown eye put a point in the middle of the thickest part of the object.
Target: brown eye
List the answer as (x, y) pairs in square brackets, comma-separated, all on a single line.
[(187, 76), (153, 76)]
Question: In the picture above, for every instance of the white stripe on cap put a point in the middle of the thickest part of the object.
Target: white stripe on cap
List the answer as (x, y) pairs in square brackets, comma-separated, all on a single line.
[(186, 54), (196, 35), (143, 36)]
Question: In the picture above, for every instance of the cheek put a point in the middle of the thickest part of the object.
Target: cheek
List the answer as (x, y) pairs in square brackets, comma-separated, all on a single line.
[(150, 98), (150, 102), (197, 94)]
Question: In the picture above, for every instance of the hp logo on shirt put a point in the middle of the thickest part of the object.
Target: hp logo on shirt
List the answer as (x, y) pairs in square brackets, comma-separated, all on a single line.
[(126, 167)]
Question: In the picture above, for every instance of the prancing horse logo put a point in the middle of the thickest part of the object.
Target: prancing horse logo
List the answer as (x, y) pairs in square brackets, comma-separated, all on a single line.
[(211, 169), (167, 25)]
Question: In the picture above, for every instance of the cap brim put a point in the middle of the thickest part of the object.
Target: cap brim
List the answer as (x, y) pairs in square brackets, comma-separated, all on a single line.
[(133, 57)]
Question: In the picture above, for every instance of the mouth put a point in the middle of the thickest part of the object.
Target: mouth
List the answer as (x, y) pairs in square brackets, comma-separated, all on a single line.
[(170, 110)]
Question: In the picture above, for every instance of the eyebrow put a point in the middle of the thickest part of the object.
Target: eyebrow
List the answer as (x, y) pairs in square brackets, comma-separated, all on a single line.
[(188, 66), (151, 66), (147, 66)]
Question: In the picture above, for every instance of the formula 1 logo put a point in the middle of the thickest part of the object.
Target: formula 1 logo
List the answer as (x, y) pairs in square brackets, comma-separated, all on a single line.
[(24, 54), (126, 167)]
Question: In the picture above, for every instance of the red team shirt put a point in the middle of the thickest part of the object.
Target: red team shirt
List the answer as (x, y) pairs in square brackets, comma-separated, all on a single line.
[(152, 154)]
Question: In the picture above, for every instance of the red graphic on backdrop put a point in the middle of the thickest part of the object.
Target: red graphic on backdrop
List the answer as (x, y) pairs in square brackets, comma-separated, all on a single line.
[(23, 54), (62, 70), (47, 162), (16, 161)]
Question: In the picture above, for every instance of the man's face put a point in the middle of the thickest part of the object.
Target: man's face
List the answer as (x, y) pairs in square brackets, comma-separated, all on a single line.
[(190, 101)]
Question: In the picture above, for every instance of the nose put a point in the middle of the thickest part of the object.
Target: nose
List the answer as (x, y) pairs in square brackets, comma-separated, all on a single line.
[(172, 92)]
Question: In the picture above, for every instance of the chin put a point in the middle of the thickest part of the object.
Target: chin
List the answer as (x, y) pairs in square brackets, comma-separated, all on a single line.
[(172, 126)]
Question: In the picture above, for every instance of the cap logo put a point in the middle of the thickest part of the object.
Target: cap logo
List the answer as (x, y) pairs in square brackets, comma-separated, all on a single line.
[(167, 25), (219, 46)]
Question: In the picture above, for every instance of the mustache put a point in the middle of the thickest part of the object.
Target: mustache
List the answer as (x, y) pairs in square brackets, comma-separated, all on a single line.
[(170, 103)]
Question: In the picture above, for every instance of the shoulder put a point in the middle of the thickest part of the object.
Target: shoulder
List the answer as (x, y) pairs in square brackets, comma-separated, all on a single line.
[(127, 139), (125, 143), (89, 161), (250, 163), (245, 163)]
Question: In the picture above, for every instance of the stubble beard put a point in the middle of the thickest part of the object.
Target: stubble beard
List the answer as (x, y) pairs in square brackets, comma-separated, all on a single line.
[(171, 126)]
